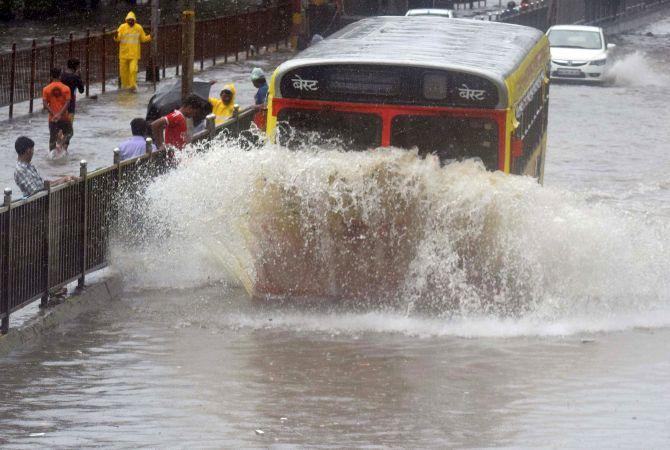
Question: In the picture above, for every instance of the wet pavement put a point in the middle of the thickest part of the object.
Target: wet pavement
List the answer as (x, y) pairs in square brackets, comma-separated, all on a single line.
[(103, 123), (152, 371)]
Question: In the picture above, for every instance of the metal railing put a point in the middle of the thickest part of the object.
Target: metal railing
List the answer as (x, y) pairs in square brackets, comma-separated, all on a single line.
[(629, 10), (62, 233), (602, 13), (23, 73), (535, 14)]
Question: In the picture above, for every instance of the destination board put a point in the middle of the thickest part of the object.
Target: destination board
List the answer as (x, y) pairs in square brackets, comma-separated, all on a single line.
[(389, 84)]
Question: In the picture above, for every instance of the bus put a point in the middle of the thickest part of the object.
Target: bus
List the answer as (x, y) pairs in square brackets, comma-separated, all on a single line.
[(455, 88)]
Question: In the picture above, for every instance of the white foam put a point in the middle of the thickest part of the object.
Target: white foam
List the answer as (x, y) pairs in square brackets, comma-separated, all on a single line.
[(351, 324), (491, 254), (637, 70)]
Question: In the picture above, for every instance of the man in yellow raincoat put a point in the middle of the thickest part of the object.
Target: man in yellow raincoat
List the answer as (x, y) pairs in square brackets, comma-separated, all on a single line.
[(129, 36), (223, 107)]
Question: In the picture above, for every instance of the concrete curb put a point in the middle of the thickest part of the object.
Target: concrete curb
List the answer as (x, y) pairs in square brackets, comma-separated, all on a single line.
[(91, 298)]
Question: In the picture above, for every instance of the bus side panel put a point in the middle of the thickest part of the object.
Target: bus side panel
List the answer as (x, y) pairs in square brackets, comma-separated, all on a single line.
[(509, 131), (519, 83), (537, 61), (535, 165), (271, 123)]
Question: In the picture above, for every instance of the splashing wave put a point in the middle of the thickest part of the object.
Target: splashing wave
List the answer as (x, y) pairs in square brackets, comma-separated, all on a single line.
[(455, 242), (636, 70)]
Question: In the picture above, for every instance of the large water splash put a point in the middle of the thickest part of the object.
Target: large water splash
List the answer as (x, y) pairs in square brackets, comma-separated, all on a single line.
[(386, 226), (637, 70)]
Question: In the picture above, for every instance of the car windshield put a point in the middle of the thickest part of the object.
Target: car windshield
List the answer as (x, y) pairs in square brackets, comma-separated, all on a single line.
[(575, 39)]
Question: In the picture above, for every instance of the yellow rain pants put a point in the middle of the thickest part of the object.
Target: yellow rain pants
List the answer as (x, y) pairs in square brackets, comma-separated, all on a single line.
[(129, 39)]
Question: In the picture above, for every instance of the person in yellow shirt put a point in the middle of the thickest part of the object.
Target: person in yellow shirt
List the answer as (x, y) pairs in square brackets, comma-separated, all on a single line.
[(223, 107), (129, 36)]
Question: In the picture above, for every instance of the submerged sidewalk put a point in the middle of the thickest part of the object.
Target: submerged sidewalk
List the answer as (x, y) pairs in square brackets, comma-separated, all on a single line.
[(102, 123)]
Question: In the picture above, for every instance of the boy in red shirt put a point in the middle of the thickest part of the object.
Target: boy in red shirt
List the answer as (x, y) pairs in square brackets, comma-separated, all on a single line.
[(174, 124), (56, 99)]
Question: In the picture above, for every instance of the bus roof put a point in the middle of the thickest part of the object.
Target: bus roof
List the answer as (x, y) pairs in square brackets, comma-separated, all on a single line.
[(490, 49)]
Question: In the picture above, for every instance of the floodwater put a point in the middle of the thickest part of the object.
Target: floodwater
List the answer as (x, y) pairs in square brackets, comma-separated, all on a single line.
[(564, 346), (102, 123)]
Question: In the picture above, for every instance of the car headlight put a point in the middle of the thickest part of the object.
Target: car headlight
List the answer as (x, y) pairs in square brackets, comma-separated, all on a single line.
[(598, 62)]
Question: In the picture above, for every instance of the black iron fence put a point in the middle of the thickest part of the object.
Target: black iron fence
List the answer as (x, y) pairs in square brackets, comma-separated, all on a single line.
[(23, 73), (542, 14), (62, 233), (535, 14)]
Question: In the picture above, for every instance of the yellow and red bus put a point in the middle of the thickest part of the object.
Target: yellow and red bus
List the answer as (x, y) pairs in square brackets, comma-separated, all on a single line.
[(453, 87)]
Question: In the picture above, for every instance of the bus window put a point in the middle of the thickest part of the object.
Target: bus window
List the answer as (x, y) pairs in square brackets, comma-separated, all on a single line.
[(448, 137), (354, 131)]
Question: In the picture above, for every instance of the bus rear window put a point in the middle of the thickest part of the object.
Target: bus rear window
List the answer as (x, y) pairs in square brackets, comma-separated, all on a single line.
[(451, 138), (354, 131)]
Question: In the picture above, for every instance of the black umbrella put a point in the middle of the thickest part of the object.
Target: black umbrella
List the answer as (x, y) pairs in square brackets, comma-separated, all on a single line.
[(168, 98)]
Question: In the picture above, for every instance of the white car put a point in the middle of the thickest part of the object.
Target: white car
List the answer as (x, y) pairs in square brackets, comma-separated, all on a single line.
[(578, 52), (431, 12)]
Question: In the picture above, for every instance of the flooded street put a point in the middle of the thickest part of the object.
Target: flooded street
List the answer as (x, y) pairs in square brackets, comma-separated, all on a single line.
[(154, 370), (574, 355), (102, 124)]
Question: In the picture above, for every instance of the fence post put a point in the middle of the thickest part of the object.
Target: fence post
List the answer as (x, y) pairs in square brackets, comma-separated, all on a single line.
[(12, 81), (238, 37), (46, 262), (210, 125), (33, 63), (236, 116), (277, 26), (149, 146), (117, 163), (285, 29), (52, 53), (296, 23), (83, 220), (226, 42), (187, 52), (7, 255), (246, 31), (203, 34), (217, 44), (103, 59), (164, 56), (155, 21), (88, 62), (258, 33), (176, 70)]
